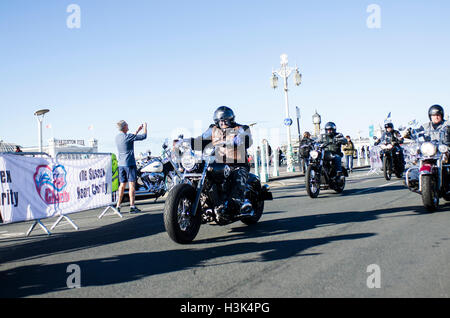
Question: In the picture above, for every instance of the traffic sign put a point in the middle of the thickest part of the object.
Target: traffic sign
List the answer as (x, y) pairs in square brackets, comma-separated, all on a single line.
[(288, 122)]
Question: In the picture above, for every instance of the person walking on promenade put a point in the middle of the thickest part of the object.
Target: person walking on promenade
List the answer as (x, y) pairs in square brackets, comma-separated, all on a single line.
[(349, 151)]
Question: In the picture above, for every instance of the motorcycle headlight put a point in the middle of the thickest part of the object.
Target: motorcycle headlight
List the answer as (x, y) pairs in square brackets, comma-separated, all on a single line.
[(188, 161), (428, 149), (443, 148), (314, 154)]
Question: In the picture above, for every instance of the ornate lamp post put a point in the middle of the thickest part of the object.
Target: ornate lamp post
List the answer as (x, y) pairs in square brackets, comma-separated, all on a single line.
[(284, 72)]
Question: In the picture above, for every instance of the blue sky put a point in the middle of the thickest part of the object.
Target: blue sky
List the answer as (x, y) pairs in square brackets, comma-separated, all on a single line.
[(169, 63)]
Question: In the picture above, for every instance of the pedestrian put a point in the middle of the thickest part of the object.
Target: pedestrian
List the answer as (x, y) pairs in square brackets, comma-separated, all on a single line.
[(349, 151), (127, 162), (18, 149), (269, 152), (258, 155), (280, 156), (305, 147)]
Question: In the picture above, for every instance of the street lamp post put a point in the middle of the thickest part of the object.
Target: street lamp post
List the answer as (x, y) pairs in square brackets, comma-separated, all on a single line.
[(300, 160), (284, 72), (40, 116)]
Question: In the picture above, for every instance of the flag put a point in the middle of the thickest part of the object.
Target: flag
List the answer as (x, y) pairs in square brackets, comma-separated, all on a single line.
[(371, 131), (49, 126), (388, 118), (412, 123)]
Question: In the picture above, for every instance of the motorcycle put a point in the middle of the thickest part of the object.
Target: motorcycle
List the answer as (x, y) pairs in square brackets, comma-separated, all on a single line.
[(156, 175), (429, 175), (321, 173), (206, 186), (392, 160)]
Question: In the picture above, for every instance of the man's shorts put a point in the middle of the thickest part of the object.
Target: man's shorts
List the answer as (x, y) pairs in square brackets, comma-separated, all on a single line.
[(127, 174)]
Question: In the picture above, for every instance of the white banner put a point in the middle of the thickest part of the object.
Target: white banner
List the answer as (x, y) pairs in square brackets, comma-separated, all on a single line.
[(38, 188), (375, 159)]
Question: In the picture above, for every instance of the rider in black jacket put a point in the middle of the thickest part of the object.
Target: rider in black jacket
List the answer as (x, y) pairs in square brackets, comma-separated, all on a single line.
[(390, 133), (335, 140), (393, 136), (231, 141)]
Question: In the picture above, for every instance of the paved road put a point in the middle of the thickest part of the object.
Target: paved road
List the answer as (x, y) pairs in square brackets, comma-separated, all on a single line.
[(326, 247)]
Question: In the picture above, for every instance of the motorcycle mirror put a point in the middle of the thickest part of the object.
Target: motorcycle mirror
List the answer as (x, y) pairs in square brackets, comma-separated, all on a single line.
[(166, 143)]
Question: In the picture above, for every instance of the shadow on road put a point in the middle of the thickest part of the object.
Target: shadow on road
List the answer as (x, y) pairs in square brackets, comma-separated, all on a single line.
[(36, 280), (128, 229), (373, 190), (307, 222), (39, 279)]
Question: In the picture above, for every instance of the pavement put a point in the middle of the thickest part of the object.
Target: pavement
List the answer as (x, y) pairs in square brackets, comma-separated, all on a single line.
[(375, 240)]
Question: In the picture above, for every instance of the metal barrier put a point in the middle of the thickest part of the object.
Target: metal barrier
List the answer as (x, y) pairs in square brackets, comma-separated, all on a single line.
[(68, 156), (81, 156), (32, 154)]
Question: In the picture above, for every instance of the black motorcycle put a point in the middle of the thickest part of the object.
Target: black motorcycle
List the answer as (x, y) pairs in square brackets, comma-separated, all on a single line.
[(205, 186), (392, 159), (321, 173)]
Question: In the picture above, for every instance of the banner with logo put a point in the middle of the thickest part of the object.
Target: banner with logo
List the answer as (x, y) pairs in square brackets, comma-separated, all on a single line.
[(38, 188), (375, 158)]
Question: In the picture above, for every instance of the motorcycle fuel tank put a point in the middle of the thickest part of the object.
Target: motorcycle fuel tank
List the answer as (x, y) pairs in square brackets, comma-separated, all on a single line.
[(153, 167)]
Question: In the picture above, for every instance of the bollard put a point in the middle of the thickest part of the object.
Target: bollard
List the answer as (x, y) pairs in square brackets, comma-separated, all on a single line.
[(290, 157), (367, 156), (276, 165), (256, 162), (264, 174), (266, 153), (359, 157)]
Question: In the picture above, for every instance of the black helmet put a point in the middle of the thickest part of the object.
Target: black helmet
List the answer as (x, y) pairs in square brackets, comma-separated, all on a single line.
[(330, 126), (388, 125), (224, 113), (436, 110)]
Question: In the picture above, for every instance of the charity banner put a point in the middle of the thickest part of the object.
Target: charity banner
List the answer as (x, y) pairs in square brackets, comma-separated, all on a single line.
[(375, 159), (38, 188)]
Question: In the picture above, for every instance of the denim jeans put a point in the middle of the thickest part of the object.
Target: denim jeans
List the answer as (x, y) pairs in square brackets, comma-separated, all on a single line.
[(338, 163), (349, 162)]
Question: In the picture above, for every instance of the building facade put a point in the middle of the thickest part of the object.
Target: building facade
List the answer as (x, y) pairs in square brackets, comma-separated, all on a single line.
[(56, 146)]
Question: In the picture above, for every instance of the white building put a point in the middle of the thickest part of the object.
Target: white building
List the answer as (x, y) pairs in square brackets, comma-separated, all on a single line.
[(56, 146)]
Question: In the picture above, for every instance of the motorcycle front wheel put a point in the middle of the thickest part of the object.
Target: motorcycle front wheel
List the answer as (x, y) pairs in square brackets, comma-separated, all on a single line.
[(312, 182), (430, 196), (181, 226)]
